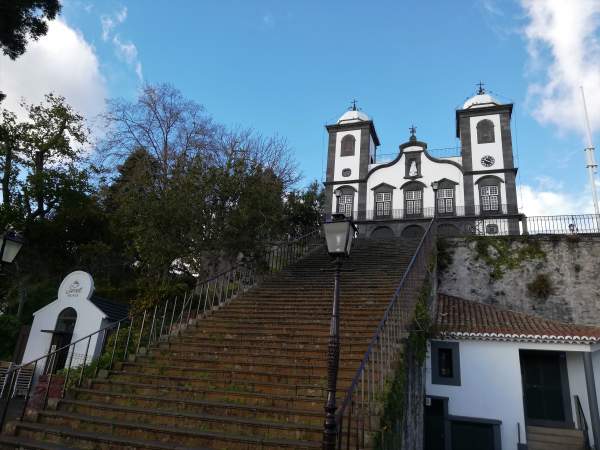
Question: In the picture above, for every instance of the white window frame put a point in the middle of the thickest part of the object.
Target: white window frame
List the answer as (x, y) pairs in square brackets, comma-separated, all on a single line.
[(490, 197), (413, 201), (345, 204), (445, 201), (383, 204)]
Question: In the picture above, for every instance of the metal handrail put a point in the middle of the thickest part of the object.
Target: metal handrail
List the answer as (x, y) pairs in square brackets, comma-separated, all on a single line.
[(157, 323), (382, 352), (582, 422)]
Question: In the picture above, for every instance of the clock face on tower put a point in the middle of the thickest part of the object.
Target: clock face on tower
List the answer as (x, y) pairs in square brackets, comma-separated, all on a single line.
[(487, 161)]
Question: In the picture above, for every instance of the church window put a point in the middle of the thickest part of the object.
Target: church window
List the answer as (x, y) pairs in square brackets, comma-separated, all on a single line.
[(413, 202), (348, 144), (485, 131), (345, 204), (445, 201), (490, 196), (383, 204)]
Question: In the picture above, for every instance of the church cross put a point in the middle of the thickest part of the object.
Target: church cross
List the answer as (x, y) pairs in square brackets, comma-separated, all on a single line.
[(353, 107), (413, 131), (481, 90)]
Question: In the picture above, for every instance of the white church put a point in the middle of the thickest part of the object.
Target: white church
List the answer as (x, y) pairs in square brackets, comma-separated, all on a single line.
[(474, 192)]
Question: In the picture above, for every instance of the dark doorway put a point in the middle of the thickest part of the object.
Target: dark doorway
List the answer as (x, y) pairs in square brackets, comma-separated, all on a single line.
[(61, 336), (435, 424), (546, 388)]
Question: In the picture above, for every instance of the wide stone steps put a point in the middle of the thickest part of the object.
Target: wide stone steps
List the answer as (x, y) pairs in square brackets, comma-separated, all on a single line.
[(292, 397), (250, 375), (89, 398)]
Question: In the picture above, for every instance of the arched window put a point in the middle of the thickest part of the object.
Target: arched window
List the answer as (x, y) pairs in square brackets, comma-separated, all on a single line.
[(348, 144), (345, 201), (490, 197), (485, 131)]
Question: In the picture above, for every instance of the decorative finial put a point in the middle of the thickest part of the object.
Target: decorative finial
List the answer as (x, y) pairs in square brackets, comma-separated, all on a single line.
[(481, 90), (413, 131), (354, 107)]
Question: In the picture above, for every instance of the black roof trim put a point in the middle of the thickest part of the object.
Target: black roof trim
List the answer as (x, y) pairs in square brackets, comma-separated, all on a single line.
[(114, 310), (356, 126), (482, 111)]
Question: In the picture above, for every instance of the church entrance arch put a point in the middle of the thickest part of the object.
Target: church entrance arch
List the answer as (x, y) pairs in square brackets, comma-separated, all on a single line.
[(447, 229), (61, 336), (382, 233), (413, 232)]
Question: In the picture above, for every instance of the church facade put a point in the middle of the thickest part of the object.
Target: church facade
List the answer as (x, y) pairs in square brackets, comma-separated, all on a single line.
[(472, 193)]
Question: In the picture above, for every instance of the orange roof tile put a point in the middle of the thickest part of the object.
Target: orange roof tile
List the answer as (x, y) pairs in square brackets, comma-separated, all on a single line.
[(466, 319)]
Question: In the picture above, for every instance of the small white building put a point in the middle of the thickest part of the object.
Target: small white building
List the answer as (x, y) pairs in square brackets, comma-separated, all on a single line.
[(503, 380), (76, 313)]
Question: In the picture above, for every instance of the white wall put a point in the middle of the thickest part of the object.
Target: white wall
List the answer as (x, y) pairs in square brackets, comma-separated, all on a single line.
[(493, 148), (491, 383), (89, 320), (431, 171), (346, 162)]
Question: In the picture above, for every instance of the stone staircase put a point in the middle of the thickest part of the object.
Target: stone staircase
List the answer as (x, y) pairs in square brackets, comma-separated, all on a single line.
[(547, 438), (251, 375)]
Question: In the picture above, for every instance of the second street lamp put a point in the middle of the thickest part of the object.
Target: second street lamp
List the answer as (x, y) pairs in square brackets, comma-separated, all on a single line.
[(339, 233)]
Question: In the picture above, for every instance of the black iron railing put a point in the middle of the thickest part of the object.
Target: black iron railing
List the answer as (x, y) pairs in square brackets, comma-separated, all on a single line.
[(131, 335), (358, 415), (563, 224), (429, 213), (582, 422)]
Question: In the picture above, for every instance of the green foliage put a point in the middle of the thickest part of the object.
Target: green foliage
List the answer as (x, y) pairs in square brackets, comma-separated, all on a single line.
[(9, 331), (444, 254), (394, 410), (171, 198), (393, 397), (541, 287), (22, 20), (422, 326), (502, 254)]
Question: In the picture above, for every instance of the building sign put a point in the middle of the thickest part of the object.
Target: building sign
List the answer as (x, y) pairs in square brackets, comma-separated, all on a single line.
[(77, 285)]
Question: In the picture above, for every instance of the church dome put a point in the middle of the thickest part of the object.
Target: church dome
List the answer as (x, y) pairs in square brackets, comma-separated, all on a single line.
[(353, 115), (479, 101)]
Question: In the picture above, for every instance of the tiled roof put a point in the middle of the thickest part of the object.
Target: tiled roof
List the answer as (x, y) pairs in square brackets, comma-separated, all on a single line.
[(465, 319)]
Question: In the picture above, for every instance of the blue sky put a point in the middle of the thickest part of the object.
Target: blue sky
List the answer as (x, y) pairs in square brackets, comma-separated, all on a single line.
[(290, 67)]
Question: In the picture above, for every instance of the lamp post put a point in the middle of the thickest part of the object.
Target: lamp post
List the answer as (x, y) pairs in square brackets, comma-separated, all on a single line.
[(12, 241), (435, 185), (339, 233)]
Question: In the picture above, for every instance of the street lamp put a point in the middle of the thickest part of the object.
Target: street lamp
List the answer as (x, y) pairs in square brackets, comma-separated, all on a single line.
[(435, 185), (12, 241), (339, 233)]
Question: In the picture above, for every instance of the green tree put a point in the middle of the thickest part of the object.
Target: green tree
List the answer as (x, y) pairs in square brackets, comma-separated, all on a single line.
[(52, 141), (21, 20)]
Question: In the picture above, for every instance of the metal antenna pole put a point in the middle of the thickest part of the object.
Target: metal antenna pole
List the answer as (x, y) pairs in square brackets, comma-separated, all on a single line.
[(590, 161)]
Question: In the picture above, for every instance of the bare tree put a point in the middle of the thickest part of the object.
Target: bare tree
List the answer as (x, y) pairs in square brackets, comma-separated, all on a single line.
[(269, 152), (169, 127)]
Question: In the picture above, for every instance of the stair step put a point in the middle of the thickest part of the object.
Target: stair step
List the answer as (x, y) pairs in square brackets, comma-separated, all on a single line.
[(314, 416), (167, 434)]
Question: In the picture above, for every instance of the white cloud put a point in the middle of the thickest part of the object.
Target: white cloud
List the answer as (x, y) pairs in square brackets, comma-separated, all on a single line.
[(543, 200), (564, 48), (125, 50), (62, 62)]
